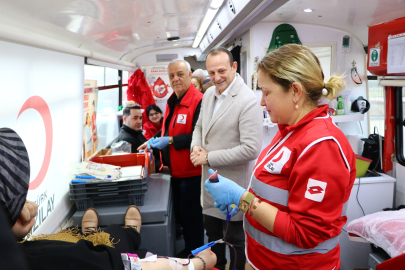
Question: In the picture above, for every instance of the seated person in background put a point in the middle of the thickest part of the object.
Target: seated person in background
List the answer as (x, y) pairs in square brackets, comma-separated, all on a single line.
[(196, 81), (131, 130), (154, 122), (206, 82)]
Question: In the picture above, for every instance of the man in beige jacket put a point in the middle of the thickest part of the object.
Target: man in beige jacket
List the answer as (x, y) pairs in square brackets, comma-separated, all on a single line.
[(227, 138)]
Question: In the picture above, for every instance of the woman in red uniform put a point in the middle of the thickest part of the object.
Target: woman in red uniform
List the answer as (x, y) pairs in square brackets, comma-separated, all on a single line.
[(297, 199), (154, 123)]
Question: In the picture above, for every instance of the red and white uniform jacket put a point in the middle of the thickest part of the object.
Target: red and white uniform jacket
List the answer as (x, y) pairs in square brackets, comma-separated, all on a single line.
[(182, 123), (307, 172)]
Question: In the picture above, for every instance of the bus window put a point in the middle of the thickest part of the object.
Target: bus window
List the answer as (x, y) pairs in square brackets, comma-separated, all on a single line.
[(125, 76), (376, 98), (111, 76), (399, 124), (107, 127), (95, 73), (108, 100)]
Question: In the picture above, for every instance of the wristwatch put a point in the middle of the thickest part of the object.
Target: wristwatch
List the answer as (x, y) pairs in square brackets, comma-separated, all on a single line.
[(244, 204), (170, 140)]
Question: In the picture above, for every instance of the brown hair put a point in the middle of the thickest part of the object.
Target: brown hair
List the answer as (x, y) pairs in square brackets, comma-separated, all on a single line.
[(296, 63), (219, 50)]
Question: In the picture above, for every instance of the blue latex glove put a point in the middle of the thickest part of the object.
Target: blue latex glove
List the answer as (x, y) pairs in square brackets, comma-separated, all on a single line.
[(160, 142), (227, 209), (150, 141), (224, 192)]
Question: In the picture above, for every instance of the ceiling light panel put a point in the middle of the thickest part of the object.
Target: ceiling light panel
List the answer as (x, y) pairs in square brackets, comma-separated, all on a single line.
[(208, 18), (215, 4), (224, 18)]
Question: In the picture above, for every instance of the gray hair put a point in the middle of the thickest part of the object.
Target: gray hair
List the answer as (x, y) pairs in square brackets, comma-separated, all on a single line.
[(181, 60), (200, 73)]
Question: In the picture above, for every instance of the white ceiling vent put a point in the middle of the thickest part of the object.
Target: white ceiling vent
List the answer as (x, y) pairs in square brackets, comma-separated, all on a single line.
[(231, 6)]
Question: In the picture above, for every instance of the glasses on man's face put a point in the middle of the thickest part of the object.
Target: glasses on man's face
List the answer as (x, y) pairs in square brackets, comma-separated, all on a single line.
[(154, 114)]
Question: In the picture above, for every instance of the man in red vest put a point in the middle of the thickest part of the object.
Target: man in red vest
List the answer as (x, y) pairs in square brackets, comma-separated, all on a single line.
[(174, 140)]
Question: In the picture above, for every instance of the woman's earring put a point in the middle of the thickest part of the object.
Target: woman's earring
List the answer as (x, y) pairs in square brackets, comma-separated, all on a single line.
[(296, 104)]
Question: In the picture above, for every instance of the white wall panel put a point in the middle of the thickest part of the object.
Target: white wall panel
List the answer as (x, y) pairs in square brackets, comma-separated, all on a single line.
[(51, 82)]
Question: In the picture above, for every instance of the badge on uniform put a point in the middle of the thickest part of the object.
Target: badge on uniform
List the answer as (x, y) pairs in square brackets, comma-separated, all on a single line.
[(181, 119), (276, 164), (315, 190)]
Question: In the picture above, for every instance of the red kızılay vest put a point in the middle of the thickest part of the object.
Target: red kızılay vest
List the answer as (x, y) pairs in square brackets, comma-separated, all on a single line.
[(307, 172), (182, 123)]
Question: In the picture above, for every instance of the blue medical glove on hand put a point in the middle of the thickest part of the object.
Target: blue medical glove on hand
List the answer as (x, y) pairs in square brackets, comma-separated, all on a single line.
[(150, 141), (160, 142), (224, 192), (227, 209)]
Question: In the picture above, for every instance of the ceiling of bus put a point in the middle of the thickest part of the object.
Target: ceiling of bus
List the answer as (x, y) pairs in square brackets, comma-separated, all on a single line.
[(124, 29), (111, 27), (353, 16)]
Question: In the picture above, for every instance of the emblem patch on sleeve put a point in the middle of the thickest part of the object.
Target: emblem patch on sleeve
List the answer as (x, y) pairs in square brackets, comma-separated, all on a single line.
[(276, 164), (315, 190), (181, 119)]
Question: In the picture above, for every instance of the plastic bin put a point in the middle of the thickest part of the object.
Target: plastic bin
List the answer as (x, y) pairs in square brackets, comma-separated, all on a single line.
[(87, 195), (362, 164), (110, 193), (126, 160), (136, 199), (77, 188)]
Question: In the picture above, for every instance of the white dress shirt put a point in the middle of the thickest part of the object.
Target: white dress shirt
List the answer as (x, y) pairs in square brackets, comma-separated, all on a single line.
[(221, 97)]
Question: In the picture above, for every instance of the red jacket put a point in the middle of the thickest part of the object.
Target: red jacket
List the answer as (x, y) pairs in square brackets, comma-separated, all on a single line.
[(307, 172), (182, 123), (151, 129), (139, 91)]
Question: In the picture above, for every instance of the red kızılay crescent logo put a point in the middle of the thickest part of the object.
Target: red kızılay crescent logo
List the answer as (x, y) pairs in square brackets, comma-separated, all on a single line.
[(39, 104), (315, 190)]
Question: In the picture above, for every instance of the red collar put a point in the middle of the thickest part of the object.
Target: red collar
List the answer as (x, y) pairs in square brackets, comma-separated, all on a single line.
[(187, 97)]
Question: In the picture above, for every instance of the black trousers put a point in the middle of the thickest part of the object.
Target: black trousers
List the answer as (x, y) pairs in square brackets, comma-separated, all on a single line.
[(129, 240), (215, 229), (188, 210)]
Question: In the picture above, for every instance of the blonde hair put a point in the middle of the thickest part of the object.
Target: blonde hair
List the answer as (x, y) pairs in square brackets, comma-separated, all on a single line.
[(199, 81), (296, 63)]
